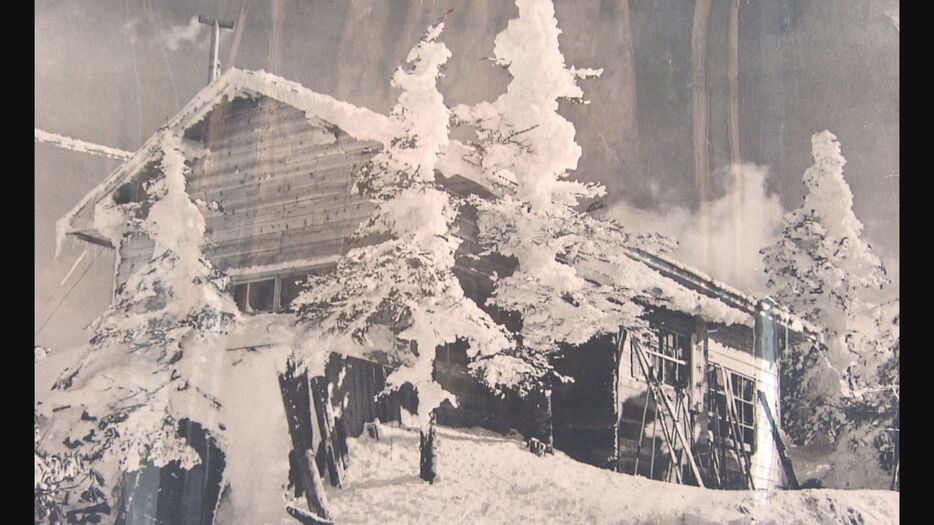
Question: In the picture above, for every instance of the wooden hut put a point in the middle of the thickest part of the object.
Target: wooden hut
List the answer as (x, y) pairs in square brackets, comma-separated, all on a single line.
[(272, 164)]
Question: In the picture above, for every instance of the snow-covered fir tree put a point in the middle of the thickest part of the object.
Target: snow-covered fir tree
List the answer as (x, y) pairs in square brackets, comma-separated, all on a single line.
[(153, 361), (521, 137), (406, 281), (826, 274)]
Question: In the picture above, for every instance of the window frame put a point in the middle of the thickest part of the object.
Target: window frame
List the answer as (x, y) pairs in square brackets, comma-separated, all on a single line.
[(737, 382), (247, 308), (277, 306), (661, 361)]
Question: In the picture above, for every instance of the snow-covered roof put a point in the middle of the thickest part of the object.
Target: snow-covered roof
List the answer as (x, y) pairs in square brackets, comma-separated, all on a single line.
[(363, 124), (703, 283), (359, 122)]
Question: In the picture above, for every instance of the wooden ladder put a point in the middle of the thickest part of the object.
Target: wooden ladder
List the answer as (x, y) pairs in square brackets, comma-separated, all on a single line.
[(658, 393)]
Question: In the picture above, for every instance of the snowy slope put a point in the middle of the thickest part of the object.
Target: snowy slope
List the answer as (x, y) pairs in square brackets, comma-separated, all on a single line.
[(487, 478)]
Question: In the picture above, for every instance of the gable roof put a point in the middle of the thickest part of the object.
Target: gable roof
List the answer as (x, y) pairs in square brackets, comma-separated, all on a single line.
[(359, 122)]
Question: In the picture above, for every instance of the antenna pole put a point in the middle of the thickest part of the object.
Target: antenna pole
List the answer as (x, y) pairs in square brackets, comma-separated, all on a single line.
[(214, 68)]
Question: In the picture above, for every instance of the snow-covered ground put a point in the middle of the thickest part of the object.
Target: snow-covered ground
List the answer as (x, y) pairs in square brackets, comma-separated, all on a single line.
[(487, 478)]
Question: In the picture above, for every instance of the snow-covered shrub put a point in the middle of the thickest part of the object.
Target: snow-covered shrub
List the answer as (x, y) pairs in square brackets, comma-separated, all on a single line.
[(67, 489)]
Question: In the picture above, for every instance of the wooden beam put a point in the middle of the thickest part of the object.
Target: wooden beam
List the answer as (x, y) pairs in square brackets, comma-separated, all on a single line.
[(319, 393), (659, 393), (779, 444), (303, 462)]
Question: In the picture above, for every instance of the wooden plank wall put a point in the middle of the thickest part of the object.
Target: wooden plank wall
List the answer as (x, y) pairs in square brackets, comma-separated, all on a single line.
[(355, 385), (283, 186)]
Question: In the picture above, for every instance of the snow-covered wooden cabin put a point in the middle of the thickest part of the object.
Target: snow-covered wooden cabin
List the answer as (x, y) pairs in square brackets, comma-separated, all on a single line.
[(271, 168)]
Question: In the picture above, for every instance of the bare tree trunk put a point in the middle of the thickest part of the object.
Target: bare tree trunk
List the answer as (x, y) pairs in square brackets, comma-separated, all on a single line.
[(549, 442), (735, 155), (699, 113), (429, 453)]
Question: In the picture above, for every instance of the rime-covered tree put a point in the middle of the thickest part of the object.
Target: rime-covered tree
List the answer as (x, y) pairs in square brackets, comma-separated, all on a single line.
[(826, 274), (153, 359), (406, 282), (559, 249)]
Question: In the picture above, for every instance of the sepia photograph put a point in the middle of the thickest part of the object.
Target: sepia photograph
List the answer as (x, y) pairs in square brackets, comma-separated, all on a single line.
[(326, 262)]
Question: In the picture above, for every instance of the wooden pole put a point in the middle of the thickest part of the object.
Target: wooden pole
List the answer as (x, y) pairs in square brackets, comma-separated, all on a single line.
[(677, 430), (303, 462), (214, 68), (779, 444), (319, 390), (654, 439), (699, 113), (645, 411)]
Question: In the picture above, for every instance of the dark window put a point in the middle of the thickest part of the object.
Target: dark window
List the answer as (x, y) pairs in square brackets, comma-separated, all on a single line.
[(290, 287), (744, 396), (240, 294), (263, 295), (256, 296), (270, 295), (670, 359)]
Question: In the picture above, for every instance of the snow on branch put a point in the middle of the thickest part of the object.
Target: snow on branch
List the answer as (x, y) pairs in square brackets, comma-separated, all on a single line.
[(406, 283), (153, 360), (845, 389)]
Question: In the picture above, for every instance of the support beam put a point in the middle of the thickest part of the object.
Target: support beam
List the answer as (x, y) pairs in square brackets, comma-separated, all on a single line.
[(319, 393), (779, 444), (658, 392)]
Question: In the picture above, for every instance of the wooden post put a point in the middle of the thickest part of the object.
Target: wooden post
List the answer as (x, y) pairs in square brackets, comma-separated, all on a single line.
[(697, 388), (214, 68), (654, 439), (319, 389), (340, 437), (779, 444), (303, 462), (302, 472), (428, 448), (549, 429)]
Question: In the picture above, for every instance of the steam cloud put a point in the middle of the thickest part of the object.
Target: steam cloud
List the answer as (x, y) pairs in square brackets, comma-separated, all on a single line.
[(171, 38), (741, 222)]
